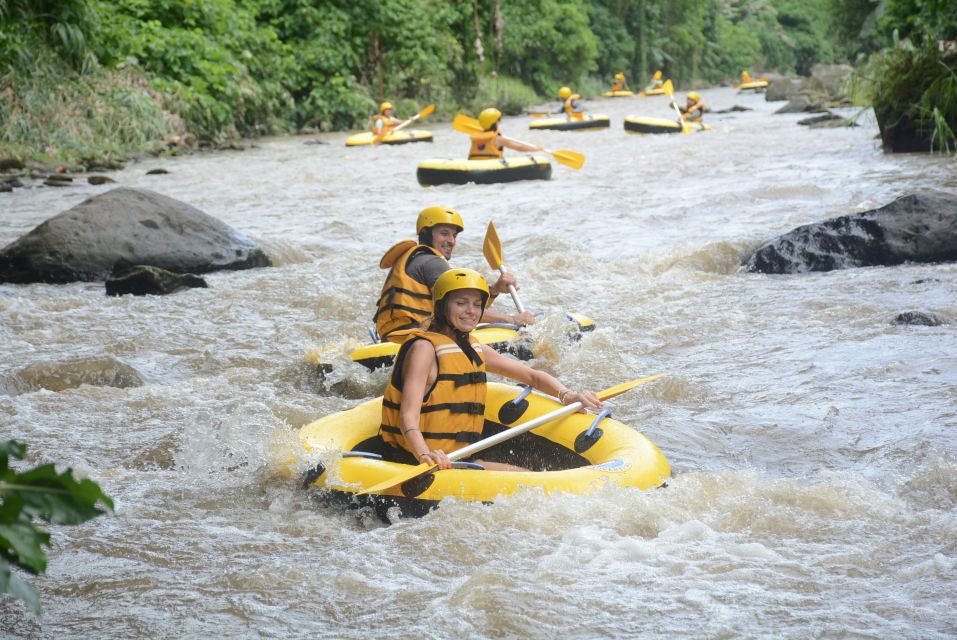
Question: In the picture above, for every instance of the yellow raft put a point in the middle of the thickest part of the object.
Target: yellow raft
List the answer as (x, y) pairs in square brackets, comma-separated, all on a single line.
[(562, 123), (621, 93), (641, 124), (658, 91), (500, 336), (756, 85), (446, 171), (399, 137), (566, 455)]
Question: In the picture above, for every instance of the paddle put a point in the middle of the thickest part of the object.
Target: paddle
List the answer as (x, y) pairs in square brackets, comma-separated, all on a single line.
[(421, 114), (492, 248), (508, 434), (566, 157)]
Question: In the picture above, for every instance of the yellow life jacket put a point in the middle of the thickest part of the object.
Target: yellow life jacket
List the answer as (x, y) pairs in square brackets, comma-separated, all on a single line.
[(404, 302), (570, 110), (695, 113), (388, 123), (453, 410), (483, 146)]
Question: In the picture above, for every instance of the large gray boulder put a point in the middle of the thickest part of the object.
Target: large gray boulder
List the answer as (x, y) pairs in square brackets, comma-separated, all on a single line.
[(830, 79), (781, 88), (126, 226), (919, 227)]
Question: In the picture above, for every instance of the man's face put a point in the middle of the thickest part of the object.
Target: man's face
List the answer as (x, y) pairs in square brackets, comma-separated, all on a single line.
[(443, 239)]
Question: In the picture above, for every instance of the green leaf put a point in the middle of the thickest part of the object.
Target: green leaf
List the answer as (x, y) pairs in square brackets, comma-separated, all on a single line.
[(25, 540), (10, 583), (57, 498)]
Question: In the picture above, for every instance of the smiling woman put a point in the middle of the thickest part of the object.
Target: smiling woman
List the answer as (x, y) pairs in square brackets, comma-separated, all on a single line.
[(435, 401)]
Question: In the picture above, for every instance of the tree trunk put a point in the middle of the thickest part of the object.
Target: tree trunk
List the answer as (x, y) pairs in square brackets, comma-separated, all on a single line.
[(477, 25)]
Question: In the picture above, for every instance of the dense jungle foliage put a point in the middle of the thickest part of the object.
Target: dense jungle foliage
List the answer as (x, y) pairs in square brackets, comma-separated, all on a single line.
[(101, 78)]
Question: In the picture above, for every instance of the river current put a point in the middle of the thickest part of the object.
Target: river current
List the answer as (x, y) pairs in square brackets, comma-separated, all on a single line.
[(813, 442)]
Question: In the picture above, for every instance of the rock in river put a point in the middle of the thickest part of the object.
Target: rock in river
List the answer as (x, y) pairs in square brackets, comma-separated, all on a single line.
[(142, 280), (129, 227), (919, 227)]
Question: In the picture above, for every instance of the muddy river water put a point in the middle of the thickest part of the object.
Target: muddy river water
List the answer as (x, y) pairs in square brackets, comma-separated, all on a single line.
[(813, 442)]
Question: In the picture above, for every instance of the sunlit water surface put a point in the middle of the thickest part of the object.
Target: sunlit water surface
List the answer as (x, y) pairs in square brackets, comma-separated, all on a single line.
[(812, 441)]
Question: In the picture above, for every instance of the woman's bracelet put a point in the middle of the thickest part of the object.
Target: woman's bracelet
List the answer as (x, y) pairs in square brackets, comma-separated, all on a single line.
[(405, 431), (562, 394), (419, 457)]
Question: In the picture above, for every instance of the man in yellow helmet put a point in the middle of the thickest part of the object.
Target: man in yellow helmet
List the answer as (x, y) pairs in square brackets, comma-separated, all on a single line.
[(385, 121), (490, 143), (406, 298), (693, 109), (618, 82), (656, 81), (571, 106)]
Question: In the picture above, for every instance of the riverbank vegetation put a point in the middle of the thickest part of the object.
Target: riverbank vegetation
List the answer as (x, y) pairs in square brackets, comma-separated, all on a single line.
[(82, 80)]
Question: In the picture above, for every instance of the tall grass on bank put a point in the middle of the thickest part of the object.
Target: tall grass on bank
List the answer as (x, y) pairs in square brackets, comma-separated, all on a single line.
[(55, 114), (915, 88)]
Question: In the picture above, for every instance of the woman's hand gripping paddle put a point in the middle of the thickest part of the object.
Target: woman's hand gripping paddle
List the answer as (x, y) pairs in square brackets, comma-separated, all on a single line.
[(421, 114), (508, 434), (566, 157), (492, 248)]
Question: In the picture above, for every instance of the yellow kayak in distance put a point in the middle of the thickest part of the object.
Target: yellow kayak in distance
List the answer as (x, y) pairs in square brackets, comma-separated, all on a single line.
[(563, 123), (578, 453), (502, 337), (399, 137), (659, 91), (621, 93), (756, 85), (438, 171), (641, 124)]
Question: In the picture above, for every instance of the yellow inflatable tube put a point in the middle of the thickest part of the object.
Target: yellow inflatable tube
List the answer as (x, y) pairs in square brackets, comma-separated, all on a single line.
[(565, 456)]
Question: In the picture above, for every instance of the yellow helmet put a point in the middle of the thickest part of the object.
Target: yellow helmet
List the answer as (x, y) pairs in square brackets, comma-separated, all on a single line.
[(385, 105), (564, 92), (457, 279), (432, 216), (489, 117), (619, 76), (694, 95), (657, 75)]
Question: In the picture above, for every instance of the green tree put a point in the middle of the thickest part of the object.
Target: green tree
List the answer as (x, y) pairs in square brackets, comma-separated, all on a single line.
[(38, 493)]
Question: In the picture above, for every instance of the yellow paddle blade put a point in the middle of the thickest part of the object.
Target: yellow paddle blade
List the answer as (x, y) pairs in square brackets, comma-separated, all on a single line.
[(426, 111), (669, 88), (568, 158), (405, 476), (619, 389), (466, 124), (492, 247)]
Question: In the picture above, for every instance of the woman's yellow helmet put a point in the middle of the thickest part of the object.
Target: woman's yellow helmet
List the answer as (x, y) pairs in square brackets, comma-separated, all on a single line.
[(694, 95), (619, 76), (385, 105), (564, 92), (657, 75), (489, 117), (457, 279)]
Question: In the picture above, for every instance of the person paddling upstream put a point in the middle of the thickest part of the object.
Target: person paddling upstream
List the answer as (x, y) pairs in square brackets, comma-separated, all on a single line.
[(434, 403), (618, 82), (385, 121), (571, 104), (693, 109), (491, 144), (406, 298)]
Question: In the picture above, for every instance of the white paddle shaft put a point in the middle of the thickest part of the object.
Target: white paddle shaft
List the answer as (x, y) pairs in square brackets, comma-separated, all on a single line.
[(512, 292), (508, 434)]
